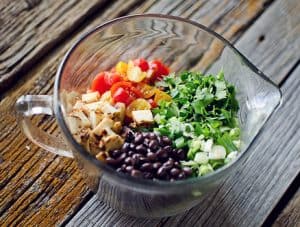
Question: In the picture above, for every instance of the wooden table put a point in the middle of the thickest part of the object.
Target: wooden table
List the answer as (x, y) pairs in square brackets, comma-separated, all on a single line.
[(41, 189)]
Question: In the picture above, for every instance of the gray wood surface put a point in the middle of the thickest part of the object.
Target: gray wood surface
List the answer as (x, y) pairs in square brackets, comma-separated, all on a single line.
[(30, 28), (248, 196), (290, 216)]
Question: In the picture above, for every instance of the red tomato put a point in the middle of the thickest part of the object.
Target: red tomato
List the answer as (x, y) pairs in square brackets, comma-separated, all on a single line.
[(128, 88), (104, 80), (159, 70), (142, 63), (152, 103), (121, 95), (112, 78), (99, 84)]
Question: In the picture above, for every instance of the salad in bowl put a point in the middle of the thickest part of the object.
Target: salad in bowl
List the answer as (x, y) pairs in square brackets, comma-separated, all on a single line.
[(147, 122)]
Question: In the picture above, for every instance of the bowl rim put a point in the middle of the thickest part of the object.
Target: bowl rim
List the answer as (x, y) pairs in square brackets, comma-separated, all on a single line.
[(124, 178)]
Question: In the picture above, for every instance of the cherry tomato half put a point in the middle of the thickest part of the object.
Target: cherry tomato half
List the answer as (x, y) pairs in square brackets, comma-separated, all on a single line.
[(137, 104), (159, 70), (104, 80), (142, 63), (121, 95), (128, 88), (147, 90)]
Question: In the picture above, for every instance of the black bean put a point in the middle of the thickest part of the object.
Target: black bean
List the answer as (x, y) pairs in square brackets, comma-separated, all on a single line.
[(148, 175), (129, 169), (152, 136), (132, 146), (130, 153), (153, 145), (136, 159), (146, 167), (114, 153), (145, 134), (174, 172), (136, 173), (122, 157), (162, 154), (156, 165), (181, 175), (112, 161), (141, 149), (129, 135), (123, 167), (162, 172), (166, 140), (168, 149), (169, 164), (177, 164), (138, 139), (146, 142), (125, 147), (128, 161), (143, 159), (151, 156), (187, 170), (181, 154)]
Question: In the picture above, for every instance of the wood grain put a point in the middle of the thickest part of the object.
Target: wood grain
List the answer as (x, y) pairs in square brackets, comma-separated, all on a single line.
[(36, 187), (30, 28), (290, 216), (52, 203), (265, 46)]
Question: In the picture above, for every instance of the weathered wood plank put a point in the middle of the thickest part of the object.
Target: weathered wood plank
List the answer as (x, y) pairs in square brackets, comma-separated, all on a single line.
[(40, 81), (290, 216), (35, 186), (276, 32), (30, 28), (255, 180)]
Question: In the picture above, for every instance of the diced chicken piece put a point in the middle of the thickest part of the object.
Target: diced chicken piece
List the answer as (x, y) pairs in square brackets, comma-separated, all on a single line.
[(95, 118), (121, 107), (106, 97), (117, 127), (94, 145), (108, 108), (104, 127), (112, 142), (80, 106), (69, 99), (84, 137), (74, 124), (84, 120), (90, 97), (142, 116), (94, 106)]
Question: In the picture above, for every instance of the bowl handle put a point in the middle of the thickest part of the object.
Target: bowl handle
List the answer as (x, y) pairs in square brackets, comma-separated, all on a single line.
[(29, 105)]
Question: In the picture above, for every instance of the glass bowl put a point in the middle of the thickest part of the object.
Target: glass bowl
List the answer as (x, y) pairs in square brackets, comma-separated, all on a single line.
[(183, 45)]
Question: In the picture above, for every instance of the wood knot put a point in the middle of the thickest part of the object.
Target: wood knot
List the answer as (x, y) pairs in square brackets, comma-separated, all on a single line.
[(32, 3), (261, 38)]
